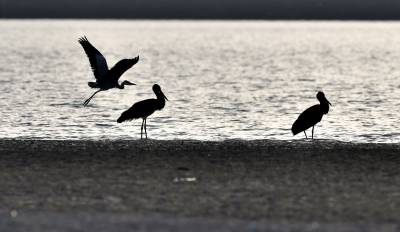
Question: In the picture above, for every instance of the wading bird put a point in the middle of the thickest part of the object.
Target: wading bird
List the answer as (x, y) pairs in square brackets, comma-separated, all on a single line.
[(311, 116), (144, 109), (105, 78)]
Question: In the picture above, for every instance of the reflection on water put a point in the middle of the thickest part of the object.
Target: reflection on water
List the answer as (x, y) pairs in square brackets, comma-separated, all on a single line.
[(246, 80)]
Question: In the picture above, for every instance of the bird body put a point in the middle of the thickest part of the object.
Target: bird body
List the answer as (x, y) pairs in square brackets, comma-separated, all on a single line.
[(307, 119), (141, 109), (311, 116), (105, 78), (144, 109)]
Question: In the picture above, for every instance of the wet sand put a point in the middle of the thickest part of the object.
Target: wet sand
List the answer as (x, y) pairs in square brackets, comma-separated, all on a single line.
[(231, 185)]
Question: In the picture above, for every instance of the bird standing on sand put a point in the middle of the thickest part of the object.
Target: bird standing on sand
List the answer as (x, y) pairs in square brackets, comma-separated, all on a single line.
[(311, 116), (105, 79), (144, 109)]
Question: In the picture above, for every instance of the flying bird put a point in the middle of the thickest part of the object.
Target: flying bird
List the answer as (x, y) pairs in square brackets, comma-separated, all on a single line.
[(311, 116), (144, 109), (105, 78)]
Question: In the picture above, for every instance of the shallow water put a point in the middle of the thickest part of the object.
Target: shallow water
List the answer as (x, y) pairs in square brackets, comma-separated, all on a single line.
[(224, 79)]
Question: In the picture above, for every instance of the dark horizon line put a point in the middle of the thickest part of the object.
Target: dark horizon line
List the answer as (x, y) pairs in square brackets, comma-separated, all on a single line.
[(205, 18)]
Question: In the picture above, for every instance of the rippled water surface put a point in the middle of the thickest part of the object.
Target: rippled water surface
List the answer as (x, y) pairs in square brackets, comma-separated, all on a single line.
[(242, 79)]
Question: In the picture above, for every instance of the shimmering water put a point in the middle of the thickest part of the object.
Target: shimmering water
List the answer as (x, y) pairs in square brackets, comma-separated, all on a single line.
[(224, 79)]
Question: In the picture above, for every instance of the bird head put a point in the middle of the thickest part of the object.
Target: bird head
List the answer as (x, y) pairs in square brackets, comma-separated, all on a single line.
[(321, 97), (158, 92)]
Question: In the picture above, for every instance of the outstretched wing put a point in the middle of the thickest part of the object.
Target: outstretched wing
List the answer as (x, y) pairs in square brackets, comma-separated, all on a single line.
[(96, 59), (121, 67)]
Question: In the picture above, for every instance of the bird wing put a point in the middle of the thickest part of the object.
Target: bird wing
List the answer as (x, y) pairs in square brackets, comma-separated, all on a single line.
[(140, 109), (307, 119), (96, 59), (121, 67)]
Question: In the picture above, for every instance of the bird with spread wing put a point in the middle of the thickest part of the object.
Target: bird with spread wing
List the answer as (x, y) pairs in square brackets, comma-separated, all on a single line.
[(105, 78)]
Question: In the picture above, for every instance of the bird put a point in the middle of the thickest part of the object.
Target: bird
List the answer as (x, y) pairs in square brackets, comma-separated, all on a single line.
[(144, 109), (105, 78), (311, 116)]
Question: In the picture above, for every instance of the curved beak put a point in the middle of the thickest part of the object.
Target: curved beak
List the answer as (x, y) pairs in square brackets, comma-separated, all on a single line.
[(328, 102)]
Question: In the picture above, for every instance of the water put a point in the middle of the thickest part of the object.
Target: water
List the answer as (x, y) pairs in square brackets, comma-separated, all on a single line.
[(224, 79)]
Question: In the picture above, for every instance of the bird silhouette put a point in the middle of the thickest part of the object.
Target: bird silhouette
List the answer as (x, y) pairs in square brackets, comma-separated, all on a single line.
[(105, 78), (311, 116), (144, 109)]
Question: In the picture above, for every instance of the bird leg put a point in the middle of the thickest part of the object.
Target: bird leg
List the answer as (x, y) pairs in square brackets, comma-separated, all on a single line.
[(90, 98), (145, 127), (141, 130), (312, 135), (305, 134)]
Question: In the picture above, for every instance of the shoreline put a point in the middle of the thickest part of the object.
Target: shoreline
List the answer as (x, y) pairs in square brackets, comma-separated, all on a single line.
[(197, 145)]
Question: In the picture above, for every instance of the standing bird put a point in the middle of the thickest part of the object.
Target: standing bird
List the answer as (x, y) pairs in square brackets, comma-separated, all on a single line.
[(311, 116), (144, 109), (105, 79)]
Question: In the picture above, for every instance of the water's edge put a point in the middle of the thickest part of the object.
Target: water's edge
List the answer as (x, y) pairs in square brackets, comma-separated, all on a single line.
[(193, 145)]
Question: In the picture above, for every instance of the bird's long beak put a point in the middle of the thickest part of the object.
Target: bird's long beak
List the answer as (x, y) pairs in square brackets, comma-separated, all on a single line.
[(164, 96), (328, 102), (130, 83)]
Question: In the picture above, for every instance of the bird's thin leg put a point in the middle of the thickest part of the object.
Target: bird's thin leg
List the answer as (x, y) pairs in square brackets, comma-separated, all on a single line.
[(141, 130), (312, 135), (145, 127), (305, 134), (90, 98)]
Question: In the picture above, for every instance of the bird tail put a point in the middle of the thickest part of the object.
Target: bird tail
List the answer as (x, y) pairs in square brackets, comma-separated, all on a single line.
[(122, 118), (128, 115), (93, 85), (296, 128)]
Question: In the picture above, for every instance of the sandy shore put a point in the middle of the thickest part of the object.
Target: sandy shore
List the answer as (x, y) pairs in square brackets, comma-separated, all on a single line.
[(232, 185)]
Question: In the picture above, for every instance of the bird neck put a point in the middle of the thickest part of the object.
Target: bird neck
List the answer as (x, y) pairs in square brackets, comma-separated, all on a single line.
[(161, 100), (324, 107), (121, 86)]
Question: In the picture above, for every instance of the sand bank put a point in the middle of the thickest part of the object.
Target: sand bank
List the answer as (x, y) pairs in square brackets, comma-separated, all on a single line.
[(256, 184)]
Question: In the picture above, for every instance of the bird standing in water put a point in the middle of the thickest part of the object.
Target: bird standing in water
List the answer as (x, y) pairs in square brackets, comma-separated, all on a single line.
[(144, 109), (311, 116), (105, 79)]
